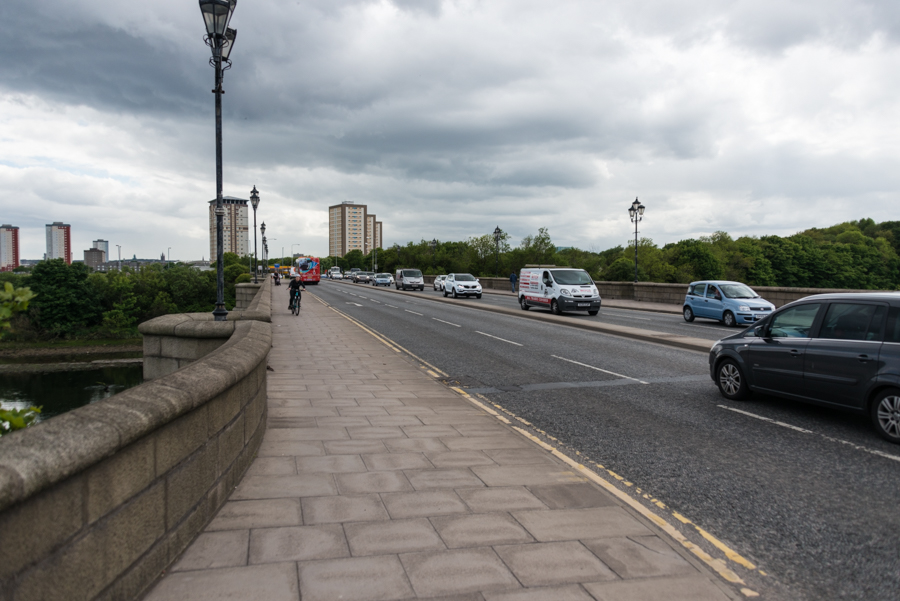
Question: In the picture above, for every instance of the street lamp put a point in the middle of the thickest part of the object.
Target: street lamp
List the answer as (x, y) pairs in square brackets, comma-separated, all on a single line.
[(498, 233), (254, 200), (636, 212), (433, 245), (262, 232), (220, 38), (119, 246)]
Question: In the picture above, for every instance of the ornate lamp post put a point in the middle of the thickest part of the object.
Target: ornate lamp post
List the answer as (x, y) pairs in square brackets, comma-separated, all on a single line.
[(636, 212), (498, 233), (254, 200), (433, 245), (220, 38), (262, 232)]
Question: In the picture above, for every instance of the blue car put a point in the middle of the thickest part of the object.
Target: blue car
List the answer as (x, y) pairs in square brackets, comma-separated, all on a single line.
[(732, 303)]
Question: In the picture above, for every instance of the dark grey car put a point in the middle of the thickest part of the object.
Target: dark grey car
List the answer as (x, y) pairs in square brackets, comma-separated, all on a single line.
[(838, 350)]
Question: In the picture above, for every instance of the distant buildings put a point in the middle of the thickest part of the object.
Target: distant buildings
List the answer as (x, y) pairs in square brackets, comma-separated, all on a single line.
[(59, 241), (94, 257), (9, 247), (350, 227), (236, 230), (102, 245)]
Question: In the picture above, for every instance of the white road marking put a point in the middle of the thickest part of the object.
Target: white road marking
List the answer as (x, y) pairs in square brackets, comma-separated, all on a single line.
[(374, 301), (767, 419), (391, 306), (413, 312), (352, 303), (446, 322), (606, 371), (627, 316), (497, 338), (805, 431)]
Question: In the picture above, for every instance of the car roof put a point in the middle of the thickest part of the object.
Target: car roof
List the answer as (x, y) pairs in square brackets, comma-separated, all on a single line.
[(717, 282), (893, 297)]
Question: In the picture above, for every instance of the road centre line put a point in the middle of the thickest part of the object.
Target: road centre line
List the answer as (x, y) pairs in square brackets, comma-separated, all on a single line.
[(391, 306), (606, 371), (503, 339), (805, 431), (413, 312), (767, 419), (447, 322)]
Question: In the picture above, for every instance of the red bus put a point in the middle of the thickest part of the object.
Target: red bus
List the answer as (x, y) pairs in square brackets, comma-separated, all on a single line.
[(309, 270)]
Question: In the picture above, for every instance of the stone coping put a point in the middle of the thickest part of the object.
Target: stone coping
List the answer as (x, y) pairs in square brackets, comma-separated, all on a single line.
[(36, 458)]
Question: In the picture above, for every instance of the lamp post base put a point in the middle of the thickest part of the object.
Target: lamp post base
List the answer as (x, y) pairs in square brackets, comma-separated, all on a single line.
[(220, 313)]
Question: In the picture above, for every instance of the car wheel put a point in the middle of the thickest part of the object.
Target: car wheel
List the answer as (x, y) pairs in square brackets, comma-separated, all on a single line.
[(728, 319), (445, 294), (455, 295), (730, 380), (886, 415), (554, 307), (477, 296), (523, 304), (688, 314), (593, 312)]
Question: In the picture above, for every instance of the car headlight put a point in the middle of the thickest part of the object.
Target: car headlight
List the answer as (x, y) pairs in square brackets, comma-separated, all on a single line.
[(744, 308), (565, 292)]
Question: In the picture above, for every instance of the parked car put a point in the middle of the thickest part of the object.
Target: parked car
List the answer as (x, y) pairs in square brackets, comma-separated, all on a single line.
[(383, 279), (461, 284), (439, 282), (558, 289), (732, 303), (839, 350), (409, 278)]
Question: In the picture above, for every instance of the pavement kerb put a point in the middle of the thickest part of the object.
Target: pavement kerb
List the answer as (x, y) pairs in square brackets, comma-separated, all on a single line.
[(717, 565), (674, 340)]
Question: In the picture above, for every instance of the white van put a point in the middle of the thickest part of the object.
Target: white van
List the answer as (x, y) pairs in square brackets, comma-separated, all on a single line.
[(558, 289), (409, 278), (334, 273)]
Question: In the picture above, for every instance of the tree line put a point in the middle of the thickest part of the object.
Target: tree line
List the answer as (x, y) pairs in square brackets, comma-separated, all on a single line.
[(852, 255)]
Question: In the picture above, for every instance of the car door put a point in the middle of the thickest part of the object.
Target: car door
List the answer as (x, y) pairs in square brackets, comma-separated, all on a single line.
[(841, 361), (776, 361), (695, 297), (712, 303)]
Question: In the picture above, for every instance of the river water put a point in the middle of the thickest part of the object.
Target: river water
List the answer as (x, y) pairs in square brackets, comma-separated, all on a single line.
[(58, 392)]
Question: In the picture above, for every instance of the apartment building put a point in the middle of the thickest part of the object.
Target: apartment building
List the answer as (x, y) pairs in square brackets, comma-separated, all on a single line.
[(93, 257), (235, 227), (101, 245), (9, 247), (59, 241), (351, 227)]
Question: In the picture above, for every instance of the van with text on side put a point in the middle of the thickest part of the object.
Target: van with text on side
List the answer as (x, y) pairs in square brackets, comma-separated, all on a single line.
[(558, 289), (409, 279)]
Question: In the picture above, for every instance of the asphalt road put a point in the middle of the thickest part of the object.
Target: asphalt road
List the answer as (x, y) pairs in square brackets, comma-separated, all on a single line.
[(808, 495)]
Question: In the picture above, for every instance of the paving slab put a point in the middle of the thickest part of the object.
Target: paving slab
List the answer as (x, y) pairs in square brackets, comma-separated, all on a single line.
[(374, 481)]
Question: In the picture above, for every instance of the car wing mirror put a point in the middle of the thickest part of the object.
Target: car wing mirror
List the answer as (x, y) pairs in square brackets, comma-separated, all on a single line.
[(760, 331)]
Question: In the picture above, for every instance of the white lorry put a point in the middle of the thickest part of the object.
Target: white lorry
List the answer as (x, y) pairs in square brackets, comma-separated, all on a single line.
[(558, 289)]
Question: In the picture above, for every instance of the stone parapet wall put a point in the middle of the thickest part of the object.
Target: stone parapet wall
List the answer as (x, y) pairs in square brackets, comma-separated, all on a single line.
[(245, 293), (97, 502)]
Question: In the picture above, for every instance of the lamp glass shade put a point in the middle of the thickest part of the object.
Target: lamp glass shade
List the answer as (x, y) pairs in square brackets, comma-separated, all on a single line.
[(641, 209), (216, 15), (262, 229), (228, 44), (254, 198), (631, 212)]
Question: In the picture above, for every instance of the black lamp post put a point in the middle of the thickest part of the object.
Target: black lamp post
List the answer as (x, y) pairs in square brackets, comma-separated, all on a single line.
[(254, 200), (433, 245), (397, 250), (636, 212), (262, 232), (498, 233), (220, 38)]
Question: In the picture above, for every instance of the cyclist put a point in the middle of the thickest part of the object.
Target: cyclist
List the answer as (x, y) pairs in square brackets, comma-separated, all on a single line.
[(294, 288)]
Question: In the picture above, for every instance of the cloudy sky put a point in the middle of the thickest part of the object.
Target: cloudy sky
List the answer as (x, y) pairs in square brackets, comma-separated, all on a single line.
[(450, 118)]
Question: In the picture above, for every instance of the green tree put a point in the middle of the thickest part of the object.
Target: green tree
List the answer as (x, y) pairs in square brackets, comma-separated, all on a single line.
[(65, 304)]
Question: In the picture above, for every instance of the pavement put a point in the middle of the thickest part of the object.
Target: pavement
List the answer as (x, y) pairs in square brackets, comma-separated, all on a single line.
[(375, 481)]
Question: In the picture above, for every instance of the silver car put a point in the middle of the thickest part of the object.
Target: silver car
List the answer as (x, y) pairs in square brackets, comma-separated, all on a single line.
[(838, 350)]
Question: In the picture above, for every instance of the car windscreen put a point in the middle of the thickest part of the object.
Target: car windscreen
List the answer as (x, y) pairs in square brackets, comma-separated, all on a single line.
[(572, 277), (464, 277), (738, 291), (382, 276), (411, 273)]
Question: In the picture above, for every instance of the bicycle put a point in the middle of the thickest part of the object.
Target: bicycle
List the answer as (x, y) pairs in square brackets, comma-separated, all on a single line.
[(295, 303)]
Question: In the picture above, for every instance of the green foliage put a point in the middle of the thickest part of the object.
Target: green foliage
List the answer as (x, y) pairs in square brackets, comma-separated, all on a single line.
[(12, 300), (17, 419)]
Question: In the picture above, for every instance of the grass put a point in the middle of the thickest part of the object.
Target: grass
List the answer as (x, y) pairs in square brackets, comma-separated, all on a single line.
[(65, 344)]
